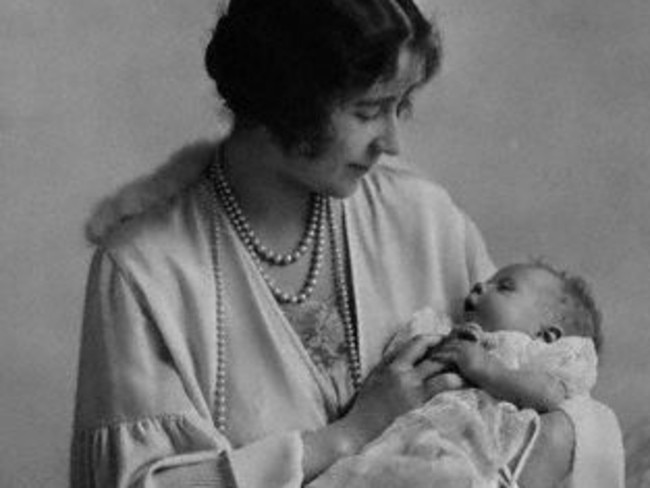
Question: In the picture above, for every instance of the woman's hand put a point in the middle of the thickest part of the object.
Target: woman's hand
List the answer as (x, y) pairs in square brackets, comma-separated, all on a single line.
[(404, 380)]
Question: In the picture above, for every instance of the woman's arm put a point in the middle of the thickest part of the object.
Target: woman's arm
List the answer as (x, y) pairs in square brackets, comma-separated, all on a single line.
[(551, 458), (580, 440), (577, 447), (135, 424), (538, 390)]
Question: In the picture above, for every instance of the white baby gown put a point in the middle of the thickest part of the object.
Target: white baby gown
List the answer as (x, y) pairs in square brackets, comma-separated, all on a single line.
[(465, 438)]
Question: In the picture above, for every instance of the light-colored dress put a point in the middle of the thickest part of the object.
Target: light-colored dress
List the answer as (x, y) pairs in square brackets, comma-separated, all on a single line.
[(147, 372), (466, 437)]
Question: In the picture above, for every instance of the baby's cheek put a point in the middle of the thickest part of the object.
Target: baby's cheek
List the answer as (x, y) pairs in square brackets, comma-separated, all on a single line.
[(488, 321)]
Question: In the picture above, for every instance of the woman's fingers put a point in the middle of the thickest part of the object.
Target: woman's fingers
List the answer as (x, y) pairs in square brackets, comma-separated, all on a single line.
[(413, 351), (429, 367), (449, 351), (446, 357)]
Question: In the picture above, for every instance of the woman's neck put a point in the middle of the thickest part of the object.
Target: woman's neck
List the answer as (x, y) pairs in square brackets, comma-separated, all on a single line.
[(271, 201)]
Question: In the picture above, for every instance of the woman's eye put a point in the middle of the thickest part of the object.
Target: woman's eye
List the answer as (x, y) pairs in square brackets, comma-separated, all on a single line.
[(368, 114), (371, 112)]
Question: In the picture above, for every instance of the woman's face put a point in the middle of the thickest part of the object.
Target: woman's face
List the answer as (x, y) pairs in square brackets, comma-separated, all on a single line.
[(363, 128)]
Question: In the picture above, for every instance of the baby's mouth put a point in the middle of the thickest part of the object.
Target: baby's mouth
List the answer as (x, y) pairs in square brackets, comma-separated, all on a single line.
[(469, 309)]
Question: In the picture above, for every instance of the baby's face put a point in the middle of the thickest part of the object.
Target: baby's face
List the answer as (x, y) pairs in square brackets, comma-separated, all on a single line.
[(517, 297)]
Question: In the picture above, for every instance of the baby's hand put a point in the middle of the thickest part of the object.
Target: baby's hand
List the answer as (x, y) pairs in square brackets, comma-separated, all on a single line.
[(468, 355), (468, 331)]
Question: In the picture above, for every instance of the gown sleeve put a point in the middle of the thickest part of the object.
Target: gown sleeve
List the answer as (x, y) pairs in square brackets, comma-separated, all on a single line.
[(572, 360), (136, 424)]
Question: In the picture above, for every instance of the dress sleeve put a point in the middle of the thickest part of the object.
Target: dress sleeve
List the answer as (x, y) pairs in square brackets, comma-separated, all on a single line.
[(479, 264), (136, 424), (598, 452), (598, 458), (424, 321)]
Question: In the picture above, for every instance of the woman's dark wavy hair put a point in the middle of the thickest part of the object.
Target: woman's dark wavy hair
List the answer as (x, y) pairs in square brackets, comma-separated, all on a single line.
[(284, 63)]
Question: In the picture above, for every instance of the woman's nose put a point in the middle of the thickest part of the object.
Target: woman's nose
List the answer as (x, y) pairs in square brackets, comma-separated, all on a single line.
[(388, 141)]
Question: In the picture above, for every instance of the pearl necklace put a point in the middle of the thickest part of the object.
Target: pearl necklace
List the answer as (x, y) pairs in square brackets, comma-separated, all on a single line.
[(220, 403), (341, 290), (343, 299), (260, 253), (247, 234)]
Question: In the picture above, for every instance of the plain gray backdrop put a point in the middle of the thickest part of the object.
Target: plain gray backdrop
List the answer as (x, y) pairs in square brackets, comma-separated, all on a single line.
[(539, 125)]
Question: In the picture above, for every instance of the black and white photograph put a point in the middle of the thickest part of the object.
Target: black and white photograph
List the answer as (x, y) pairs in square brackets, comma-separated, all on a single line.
[(325, 243)]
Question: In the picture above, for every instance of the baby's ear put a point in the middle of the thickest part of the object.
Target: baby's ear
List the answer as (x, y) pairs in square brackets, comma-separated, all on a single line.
[(551, 333)]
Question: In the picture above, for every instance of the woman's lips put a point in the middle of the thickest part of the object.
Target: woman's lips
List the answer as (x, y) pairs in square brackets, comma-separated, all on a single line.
[(360, 169)]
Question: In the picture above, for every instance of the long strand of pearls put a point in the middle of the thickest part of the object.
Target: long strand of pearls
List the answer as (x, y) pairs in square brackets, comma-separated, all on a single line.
[(343, 298), (220, 405), (341, 291)]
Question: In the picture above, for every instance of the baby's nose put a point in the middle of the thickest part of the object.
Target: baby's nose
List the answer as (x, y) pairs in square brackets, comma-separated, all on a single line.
[(477, 289)]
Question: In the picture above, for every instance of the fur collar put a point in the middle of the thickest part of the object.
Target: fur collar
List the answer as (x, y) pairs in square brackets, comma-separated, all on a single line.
[(151, 191)]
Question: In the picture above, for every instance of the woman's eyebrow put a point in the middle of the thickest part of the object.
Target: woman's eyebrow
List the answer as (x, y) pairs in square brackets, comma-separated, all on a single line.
[(364, 102), (386, 99)]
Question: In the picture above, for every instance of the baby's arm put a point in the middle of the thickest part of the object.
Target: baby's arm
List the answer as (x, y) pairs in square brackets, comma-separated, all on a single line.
[(526, 388)]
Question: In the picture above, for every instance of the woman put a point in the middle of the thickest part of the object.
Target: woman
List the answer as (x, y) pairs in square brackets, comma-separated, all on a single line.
[(234, 327)]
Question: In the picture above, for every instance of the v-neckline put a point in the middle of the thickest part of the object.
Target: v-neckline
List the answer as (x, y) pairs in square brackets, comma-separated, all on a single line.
[(324, 384)]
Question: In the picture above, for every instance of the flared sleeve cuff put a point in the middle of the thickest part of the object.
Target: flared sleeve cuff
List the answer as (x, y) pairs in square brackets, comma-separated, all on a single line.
[(162, 451), (271, 462), (598, 460), (174, 451)]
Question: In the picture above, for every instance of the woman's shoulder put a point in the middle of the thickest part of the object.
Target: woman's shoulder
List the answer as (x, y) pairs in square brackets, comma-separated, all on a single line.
[(155, 210)]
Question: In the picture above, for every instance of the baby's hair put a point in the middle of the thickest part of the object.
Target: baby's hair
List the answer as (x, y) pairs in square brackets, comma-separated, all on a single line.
[(577, 305)]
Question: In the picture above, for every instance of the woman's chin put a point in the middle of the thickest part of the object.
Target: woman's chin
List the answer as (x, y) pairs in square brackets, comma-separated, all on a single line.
[(342, 190)]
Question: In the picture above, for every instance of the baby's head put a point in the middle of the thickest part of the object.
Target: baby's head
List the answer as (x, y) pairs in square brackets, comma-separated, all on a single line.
[(537, 299)]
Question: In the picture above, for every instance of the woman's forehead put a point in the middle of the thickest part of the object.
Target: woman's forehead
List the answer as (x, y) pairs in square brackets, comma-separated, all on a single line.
[(408, 74)]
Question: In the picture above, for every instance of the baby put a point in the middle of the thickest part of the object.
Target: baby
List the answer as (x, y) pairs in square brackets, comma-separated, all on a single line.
[(529, 343), (530, 337)]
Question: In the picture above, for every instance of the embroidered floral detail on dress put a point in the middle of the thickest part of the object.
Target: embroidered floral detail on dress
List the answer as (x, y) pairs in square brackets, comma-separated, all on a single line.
[(320, 328)]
